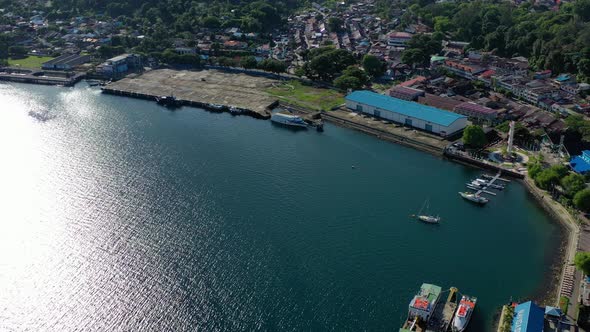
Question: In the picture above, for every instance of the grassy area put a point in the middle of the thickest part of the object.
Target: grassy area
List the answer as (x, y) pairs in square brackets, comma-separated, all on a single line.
[(382, 87), (564, 303), (31, 61), (295, 93)]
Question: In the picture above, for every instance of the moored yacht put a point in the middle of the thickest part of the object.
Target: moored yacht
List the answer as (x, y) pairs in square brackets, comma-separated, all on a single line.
[(464, 312), (424, 215), (474, 198)]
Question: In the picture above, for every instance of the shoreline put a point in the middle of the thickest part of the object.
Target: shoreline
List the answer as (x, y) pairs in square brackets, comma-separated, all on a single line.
[(569, 230)]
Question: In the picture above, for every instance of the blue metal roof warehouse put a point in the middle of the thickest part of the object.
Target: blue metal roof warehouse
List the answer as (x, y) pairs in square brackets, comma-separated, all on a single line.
[(581, 163), (407, 108), (528, 317)]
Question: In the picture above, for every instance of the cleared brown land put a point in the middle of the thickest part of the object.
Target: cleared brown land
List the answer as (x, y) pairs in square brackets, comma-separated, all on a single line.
[(206, 86)]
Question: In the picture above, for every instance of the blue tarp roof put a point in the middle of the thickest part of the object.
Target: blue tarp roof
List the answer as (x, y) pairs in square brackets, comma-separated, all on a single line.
[(528, 317), (407, 108), (563, 77), (579, 165), (553, 311)]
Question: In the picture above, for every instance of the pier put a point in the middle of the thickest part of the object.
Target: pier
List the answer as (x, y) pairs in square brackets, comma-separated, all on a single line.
[(490, 183), (481, 186), (443, 314), (36, 76)]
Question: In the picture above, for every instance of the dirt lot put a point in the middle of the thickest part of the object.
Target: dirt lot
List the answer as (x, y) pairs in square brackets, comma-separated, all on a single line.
[(207, 86)]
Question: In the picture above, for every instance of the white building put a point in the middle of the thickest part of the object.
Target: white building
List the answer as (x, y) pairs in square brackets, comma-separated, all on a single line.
[(409, 113), (399, 39)]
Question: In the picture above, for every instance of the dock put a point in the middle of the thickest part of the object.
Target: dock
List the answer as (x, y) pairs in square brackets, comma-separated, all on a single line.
[(479, 191), (37, 76), (443, 314), (496, 177), (481, 186), (491, 182)]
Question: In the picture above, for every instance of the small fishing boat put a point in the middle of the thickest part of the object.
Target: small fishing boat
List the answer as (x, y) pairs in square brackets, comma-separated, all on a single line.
[(424, 216), (216, 107), (168, 101), (235, 110)]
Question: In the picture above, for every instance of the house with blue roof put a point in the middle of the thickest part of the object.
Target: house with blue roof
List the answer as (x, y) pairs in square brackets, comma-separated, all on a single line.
[(427, 118), (528, 317), (581, 164)]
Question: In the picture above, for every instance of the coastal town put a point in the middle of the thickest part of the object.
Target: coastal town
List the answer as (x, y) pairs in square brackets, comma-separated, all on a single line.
[(395, 76)]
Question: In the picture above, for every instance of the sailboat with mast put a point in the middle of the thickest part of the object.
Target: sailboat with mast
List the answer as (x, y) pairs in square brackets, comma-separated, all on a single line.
[(424, 215)]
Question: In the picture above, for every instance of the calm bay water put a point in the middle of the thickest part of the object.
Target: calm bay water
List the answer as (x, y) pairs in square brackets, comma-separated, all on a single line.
[(119, 215)]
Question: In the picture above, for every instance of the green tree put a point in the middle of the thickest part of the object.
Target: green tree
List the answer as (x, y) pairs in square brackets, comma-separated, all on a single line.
[(573, 183), (211, 22), (248, 62), (443, 24), (547, 178), (582, 200), (17, 51), (582, 262), (582, 9), (273, 65), (414, 57), (474, 136), (346, 82), (534, 169), (325, 62), (335, 24), (355, 71), (373, 66), (561, 170), (299, 72)]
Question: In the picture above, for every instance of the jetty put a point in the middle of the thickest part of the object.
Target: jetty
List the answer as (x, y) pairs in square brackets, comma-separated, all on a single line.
[(37, 76), (490, 183), (213, 90), (481, 186), (443, 314)]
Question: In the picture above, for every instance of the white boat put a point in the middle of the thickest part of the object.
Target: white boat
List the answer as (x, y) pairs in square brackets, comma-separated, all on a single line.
[(483, 182), (474, 198), (429, 219), (475, 184), (424, 216), (288, 119), (235, 110), (464, 312), (216, 107)]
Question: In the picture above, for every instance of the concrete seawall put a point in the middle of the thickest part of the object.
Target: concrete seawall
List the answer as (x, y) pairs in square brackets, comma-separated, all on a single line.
[(389, 136), (572, 232), (192, 103), (201, 89), (483, 165)]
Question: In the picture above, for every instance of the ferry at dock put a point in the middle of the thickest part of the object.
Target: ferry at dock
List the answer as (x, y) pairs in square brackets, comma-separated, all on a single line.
[(463, 314), (421, 308), (288, 120)]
